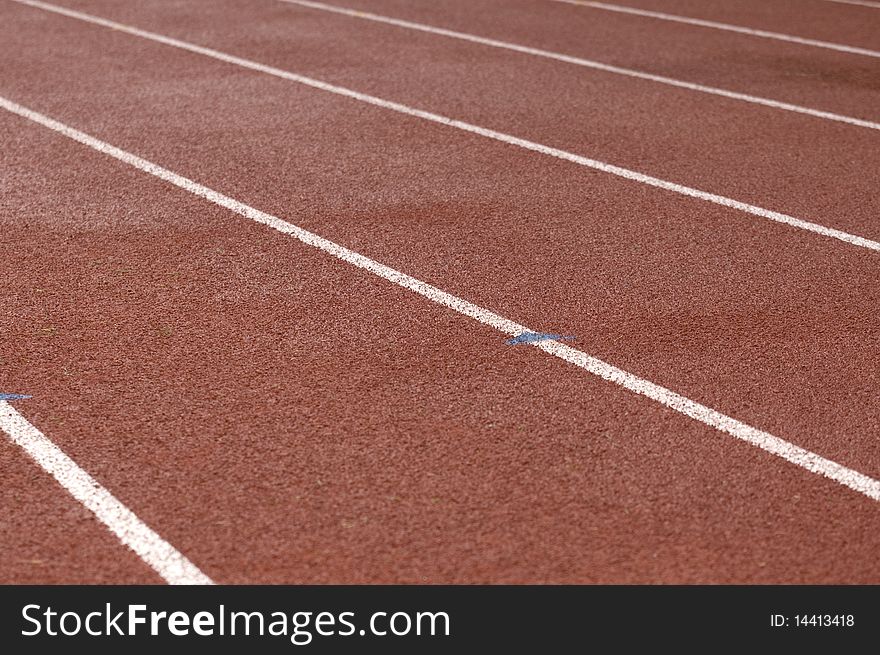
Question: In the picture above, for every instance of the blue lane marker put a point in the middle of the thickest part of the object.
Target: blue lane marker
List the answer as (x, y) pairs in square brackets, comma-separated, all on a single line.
[(12, 396), (533, 337)]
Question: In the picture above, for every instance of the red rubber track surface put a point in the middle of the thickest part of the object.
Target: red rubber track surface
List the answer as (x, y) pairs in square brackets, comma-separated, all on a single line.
[(47, 536), (825, 79), (280, 416), (811, 19), (795, 164)]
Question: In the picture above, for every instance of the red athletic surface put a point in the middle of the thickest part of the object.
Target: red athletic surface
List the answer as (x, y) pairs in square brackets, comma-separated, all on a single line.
[(279, 416)]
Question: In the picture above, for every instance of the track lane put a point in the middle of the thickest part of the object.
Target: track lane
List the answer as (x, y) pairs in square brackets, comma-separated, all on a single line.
[(348, 432), (46, 537), (807, 76), (588, 64), (813, 19), (171, 565), (27, 436), (793, 164), (739, 335)]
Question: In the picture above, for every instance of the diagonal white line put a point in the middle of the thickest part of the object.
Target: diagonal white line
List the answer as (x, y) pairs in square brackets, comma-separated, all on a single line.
[(588, 63), (778, 36), (706, 415), (858, 3), (619, 171), (161, 556)]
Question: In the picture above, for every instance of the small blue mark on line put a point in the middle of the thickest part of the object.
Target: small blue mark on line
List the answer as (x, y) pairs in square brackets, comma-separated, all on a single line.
[(534, 337), (12, 396)]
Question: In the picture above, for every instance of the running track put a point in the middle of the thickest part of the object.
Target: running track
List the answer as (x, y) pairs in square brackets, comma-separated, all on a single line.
[(251, 407)]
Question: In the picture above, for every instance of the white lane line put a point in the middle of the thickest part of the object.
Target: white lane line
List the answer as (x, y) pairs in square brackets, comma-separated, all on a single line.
[(468, 127), (778, 36), (586, 63), (858, 3), (796, 455), (161, 556)]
